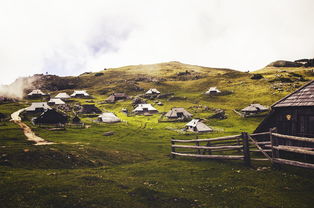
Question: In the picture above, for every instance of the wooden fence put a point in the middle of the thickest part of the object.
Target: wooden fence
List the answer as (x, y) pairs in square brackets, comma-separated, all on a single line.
[(62, 126), (245, 147)]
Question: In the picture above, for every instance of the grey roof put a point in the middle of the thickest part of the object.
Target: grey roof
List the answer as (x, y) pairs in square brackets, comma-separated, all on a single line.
[(304, 96), (173, 113), (36, 92), (39, 105), (108, 118), (198, 126), (63, 95), (254, 108), (56, 101)]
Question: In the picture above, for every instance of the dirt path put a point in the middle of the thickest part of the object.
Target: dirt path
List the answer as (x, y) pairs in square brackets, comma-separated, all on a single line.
[(27, 130)]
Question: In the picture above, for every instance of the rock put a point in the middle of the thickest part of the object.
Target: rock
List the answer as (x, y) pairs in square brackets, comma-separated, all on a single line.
[(220, 114), (109, 133), (257, 76)]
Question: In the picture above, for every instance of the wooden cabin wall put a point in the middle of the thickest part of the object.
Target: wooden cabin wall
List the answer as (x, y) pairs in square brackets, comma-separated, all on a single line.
[(296, 121)]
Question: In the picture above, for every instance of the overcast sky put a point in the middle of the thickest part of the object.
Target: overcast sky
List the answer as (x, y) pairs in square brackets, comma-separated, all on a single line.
[(68, 37)]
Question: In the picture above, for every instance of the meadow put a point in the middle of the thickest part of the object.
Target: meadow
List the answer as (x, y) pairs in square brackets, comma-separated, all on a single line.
[(133, 167)]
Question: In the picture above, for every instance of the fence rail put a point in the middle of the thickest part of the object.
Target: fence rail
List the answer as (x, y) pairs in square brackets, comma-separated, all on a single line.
[(241, 147)]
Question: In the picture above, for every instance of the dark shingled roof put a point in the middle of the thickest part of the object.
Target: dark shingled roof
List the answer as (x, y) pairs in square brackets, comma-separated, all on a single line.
[(304, 96)]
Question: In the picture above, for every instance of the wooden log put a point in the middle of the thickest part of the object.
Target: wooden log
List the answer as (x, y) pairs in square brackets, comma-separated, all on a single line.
[(258, 134), (207, 140), (264, 150), (293, 163), (260, 159), (260, 143), (225, 157), (226, 142), (301, 139), (207, 148), (275, 153), (173, 149), (261, 149), (246, 148), (294, 149), (198, 149)]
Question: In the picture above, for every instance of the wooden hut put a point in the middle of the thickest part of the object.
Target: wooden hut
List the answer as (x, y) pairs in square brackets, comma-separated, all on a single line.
[(293, 114), (213, 91), (116, 97), (80, 94), (36, 94), (196, 125), (89, 109), (63, 96), (152, 91), (56, 101), (38, 107), (178, 113), (76, 120), (145, 109), (51, 116), (108, 118), (253, 109)]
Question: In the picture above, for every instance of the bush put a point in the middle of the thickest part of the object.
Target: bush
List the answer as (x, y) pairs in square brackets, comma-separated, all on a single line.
[(99, 74)]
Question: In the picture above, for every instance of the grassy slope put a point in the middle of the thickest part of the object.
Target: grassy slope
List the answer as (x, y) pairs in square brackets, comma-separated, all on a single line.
[(132, 168)]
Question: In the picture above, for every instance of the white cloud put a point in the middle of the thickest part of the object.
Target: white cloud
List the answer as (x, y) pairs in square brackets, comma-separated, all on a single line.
[(73, 36)]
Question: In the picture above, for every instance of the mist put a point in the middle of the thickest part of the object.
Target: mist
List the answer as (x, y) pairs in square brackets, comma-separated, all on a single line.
[(74, 36), (17, 88)]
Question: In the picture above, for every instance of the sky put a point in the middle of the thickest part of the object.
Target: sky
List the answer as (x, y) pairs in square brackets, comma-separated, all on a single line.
[(69, 37)]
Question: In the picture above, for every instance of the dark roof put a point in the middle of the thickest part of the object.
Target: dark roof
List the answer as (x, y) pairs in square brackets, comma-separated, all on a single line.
[(304, 96), (51, 116), (89, 109), (120, 95)]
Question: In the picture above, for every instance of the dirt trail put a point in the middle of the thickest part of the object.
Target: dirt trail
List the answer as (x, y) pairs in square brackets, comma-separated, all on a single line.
[(27, 130)]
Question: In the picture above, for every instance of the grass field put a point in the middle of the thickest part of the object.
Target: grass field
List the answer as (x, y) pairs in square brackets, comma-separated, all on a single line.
[(132, 168)]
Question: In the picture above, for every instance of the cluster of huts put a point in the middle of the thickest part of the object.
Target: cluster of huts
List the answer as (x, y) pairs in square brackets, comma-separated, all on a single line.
[(49, 115), (292, 115)]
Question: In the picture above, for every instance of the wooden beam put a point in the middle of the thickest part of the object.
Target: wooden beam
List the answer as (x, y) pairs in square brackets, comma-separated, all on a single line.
[(258, 134), (261, 149), (206, 147), (246, 148), (225, 157), (260, 159), (302, 139), (260, 142), (294, 149), (206, 140), (293, 163)]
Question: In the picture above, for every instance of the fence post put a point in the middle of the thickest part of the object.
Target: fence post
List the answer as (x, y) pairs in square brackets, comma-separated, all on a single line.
[(173, 149), (208, 145), (246, 148), (274, 152)]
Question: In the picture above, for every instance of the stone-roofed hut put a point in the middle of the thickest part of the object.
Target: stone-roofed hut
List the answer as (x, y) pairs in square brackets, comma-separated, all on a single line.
[(213, 91), (63, 96), (89, 109), (178, 113), (116, 97), (293, 114), (38, 107), (36, 94), (51, 116), (80, 94), (254, 108), (196, 125)]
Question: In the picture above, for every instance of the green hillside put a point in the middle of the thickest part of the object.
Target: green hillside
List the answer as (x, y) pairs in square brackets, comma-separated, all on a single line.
[(132, 167)]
